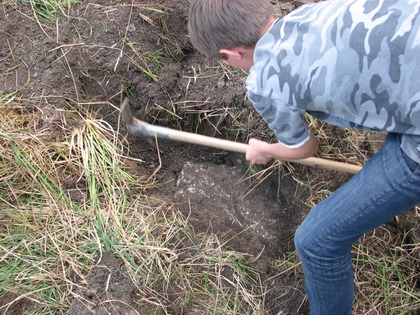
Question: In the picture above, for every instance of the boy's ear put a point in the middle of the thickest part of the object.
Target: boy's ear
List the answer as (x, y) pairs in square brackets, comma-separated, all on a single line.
[(234, 53)]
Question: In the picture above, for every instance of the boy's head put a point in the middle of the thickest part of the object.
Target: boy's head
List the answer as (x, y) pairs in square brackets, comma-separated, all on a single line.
[(215, 25)]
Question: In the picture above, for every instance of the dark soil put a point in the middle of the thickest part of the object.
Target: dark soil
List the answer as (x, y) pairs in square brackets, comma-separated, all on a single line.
[(84, 60)]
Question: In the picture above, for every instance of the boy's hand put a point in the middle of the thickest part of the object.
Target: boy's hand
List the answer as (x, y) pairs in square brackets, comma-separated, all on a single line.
[(255, 153), (261, 152)]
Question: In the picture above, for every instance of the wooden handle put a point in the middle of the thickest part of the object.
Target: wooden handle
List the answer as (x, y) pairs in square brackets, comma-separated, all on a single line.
[(330, 165), (207, 141), (141, 128), (193, 138)]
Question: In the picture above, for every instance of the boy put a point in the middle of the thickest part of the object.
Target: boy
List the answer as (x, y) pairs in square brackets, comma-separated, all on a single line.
[(352, 63)]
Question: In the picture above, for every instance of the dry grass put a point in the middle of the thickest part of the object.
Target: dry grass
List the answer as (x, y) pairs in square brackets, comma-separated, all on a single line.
[(386, 270), (386, 260), (66, 197), (387, 274)]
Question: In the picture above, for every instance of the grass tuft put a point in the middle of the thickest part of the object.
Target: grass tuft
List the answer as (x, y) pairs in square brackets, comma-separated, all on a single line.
[(66, 199)]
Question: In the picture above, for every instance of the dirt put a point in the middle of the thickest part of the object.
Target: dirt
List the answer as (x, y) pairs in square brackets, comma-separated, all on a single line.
[(110, 290), (86, 60)]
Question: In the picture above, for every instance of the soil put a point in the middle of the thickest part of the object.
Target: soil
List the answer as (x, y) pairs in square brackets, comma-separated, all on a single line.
[(86, 59)]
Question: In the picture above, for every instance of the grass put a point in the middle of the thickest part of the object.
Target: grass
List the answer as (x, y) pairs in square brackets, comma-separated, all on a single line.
[(39, 247), (386, 271), (148, 63), (49, 10), (50, 241), (68, 197)]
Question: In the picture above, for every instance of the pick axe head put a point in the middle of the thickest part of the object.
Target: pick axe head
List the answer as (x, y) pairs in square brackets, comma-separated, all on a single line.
[(140, 128), (134, 126)]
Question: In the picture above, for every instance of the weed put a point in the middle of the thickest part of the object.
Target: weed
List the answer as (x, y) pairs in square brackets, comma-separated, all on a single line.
[(50, 241), (49, 10), (149, 63), (386, 274)]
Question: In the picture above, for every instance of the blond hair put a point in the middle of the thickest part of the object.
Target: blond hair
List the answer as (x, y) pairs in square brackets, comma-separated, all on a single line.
[(224, 24)]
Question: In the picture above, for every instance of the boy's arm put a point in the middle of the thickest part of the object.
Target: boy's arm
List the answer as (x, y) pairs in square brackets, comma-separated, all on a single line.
[(261, 152)]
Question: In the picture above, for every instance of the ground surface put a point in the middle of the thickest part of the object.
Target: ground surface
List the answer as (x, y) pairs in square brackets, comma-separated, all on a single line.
[(101, 53), (97, 55)]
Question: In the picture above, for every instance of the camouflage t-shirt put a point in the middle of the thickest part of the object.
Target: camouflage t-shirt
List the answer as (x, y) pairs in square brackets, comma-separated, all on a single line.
[(351, 63)]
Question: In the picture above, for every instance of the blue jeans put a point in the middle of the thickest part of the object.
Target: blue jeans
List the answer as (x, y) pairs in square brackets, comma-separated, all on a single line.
[(387, 185)]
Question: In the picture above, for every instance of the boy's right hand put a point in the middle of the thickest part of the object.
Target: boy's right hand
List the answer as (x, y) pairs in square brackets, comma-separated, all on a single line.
[(261, 152), (256, 153)]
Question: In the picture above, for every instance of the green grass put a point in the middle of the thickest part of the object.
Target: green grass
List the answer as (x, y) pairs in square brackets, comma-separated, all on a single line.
[(386, 273), (69, 195), (148, 63), (50, 241), (49, 10), (37, 240)]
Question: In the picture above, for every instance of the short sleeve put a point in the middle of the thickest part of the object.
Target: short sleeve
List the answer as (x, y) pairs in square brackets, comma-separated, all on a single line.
[(287, 123)]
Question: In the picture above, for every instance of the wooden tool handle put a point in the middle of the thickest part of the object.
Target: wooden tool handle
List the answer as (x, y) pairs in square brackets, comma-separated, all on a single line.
[(207, 141), (141, 128), (193, 138), (330, 165)]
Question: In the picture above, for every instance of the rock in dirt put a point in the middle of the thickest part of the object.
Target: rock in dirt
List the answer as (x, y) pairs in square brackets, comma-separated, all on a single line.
[(256, 220)]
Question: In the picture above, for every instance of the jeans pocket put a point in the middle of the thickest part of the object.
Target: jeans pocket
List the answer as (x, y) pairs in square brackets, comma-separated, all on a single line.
[(413, 165)]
